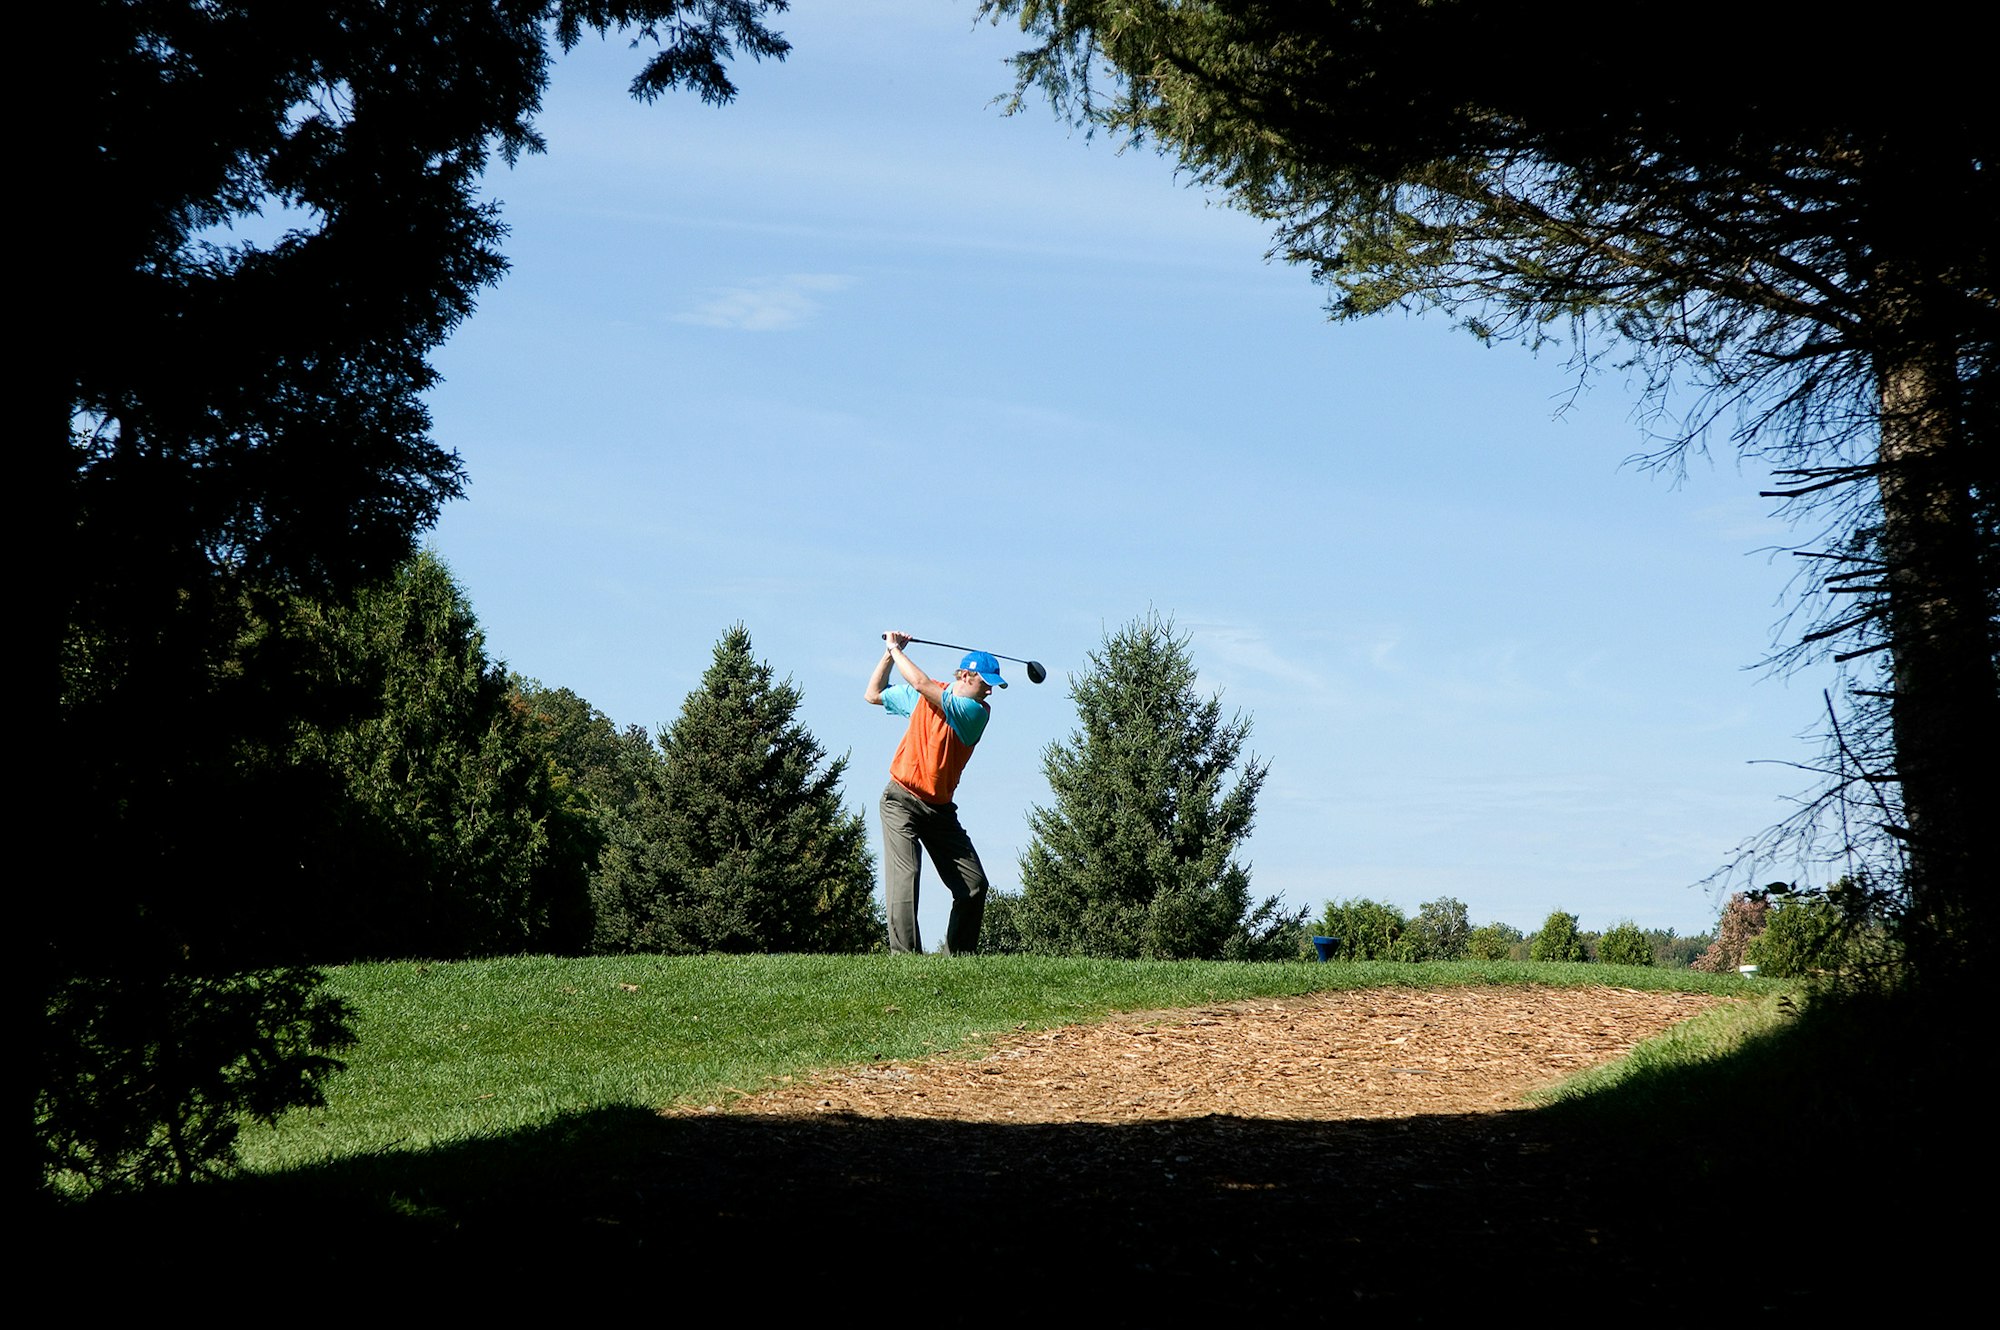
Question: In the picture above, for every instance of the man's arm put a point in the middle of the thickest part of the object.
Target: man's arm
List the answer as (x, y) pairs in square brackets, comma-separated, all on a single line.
[(932, 690), (879, 679)]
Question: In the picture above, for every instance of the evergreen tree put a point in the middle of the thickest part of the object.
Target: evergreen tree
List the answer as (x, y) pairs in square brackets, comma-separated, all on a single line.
[(454, 835), (1135, 857), (1768, 244), (607, 766), (601, 768), (244, 421), (1817, 934), (739, 839), (422, 815)]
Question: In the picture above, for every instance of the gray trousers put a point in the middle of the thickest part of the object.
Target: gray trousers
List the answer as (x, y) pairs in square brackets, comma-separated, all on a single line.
[(908, 822)]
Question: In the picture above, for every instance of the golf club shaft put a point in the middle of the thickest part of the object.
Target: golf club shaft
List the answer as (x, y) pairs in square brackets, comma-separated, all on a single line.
[(953, 646)]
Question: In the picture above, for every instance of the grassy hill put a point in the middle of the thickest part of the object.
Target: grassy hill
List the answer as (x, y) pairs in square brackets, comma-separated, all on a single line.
[(495, 1143)]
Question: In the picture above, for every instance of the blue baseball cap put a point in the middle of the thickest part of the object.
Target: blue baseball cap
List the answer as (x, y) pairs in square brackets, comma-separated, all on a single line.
[(985, 665)]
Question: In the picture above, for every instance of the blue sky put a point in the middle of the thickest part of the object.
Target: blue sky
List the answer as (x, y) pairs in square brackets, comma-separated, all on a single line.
[(859, 352)]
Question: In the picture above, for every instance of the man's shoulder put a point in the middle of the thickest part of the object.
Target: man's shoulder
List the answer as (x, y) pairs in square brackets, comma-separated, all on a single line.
[(965, 705), (967, 716)]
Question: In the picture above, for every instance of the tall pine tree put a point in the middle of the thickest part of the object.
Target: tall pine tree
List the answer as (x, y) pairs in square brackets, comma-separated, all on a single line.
[(1136, 857), (740, 842)]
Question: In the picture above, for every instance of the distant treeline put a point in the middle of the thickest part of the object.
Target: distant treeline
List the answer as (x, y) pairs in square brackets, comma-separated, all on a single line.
[(1370, 930)]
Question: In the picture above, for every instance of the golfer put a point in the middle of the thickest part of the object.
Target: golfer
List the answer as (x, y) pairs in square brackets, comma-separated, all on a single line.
[(946, 721)]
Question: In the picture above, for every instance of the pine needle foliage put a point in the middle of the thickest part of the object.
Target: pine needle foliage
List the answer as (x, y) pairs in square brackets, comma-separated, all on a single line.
[(453, 836), (1153, 796), (151, 1080), (246, 421), (602, 771), (739, 840)]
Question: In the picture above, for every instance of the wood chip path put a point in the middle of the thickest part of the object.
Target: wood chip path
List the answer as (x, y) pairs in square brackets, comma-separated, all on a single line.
[(1376, 1053)]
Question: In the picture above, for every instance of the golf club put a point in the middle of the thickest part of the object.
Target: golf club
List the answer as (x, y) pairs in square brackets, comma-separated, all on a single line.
[(1035, 671)]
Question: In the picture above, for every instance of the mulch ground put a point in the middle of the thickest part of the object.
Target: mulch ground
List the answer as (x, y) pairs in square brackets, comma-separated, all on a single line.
[(1329, 1057)]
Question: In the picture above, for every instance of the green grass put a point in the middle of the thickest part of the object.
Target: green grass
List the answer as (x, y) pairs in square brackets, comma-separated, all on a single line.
[(454, 1052), (1712, 1037), (1824, 1072), (498, 1124)]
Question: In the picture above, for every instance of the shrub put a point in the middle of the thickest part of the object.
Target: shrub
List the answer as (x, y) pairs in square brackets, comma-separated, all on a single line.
[(1818, 933), (1558, 939), (1493, 942), (1000, 927), (1625, 944), (1673, 952), (148, 1079), (1366, 930), (1440, 932)]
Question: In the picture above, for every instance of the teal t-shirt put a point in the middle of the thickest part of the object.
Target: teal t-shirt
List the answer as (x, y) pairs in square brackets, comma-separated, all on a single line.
[(966, 717)]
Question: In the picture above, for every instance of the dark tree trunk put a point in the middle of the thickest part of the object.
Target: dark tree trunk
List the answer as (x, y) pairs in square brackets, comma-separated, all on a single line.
[(1945, 708)]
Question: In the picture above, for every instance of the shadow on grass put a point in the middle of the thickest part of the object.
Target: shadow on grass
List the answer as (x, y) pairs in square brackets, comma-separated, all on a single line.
[(1672, 1201)]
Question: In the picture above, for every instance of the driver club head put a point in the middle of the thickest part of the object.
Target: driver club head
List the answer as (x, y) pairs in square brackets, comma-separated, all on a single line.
[(1035, 671)]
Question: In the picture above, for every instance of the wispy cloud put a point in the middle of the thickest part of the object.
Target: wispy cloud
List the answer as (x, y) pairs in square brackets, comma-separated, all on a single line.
[(1249, 650), (767, 304)]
